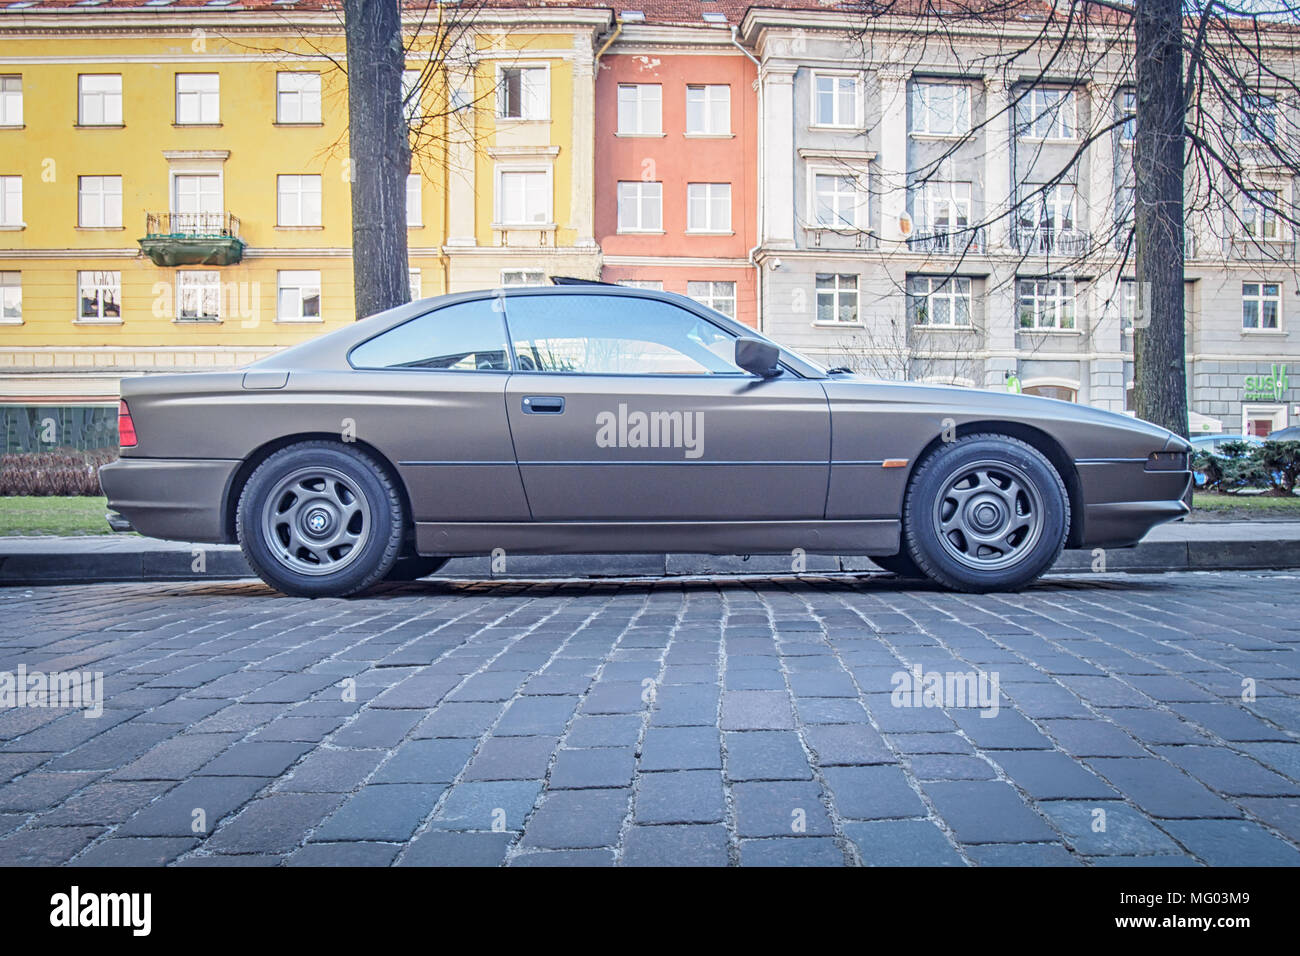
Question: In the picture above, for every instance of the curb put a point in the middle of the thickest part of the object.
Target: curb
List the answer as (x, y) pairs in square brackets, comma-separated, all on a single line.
[(225, 562)]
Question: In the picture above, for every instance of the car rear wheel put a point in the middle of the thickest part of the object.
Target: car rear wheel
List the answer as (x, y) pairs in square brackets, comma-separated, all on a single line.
[(985, 513), (320, 519)]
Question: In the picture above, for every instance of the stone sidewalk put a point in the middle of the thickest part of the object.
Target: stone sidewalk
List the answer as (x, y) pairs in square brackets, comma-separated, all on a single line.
[(1178, 546), (1141, 720)]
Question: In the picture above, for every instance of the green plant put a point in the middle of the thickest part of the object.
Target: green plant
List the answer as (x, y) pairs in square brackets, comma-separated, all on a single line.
[(1280, 462), (1233, 469)]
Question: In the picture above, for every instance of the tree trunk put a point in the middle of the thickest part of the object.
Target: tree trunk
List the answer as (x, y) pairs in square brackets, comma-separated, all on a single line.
[(1159, 357), (380, 154)]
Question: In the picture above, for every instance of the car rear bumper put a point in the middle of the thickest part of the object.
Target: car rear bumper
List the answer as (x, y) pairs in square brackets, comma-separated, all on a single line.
[(181, 499)]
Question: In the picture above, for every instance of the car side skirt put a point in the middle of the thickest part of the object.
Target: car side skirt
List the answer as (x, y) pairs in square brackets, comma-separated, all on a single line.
[(871, 536)]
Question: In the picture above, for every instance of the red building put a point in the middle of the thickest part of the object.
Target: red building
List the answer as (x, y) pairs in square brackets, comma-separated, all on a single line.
[(676, 157)]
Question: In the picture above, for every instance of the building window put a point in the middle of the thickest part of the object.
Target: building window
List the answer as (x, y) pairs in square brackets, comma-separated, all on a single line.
[(198, 296), (1259, 218), (100, 296), (412, 108), (654, 285), (99, 99), (1261, 305), (299, 200), (514, 277), (1062, 393), (1046, 303), (835, 100), (942, 208), (524, 197), (99, 201), (640, 109), (11, 201), (11, 297), (837, 298), (939, 300), (416, 282), (1128, 304), (708, 207), (708, 110), (414, 201), (837, 201), (1258, 119), (1048, 114), (198, 98), (523, 93), (1127, 115), (298, 298), (640, 207), (11, 101), (1047, 217), (297, 98), (719, 296), (940, 109)]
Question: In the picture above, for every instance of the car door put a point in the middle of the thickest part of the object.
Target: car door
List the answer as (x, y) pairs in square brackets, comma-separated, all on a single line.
[(625, 407)]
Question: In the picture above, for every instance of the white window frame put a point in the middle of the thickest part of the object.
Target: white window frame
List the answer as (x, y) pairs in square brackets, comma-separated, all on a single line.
[(710, 94), (711, 297), (837, 121), (1260, 297), (412, 106), (710, 227), (415, 281), (921, 108), (1246, 131), (544, 114), (1253, 210), (11, 99), (1058, 117), (952, 289), (838, 292), (644, 194), (11, 202), (189, 278), (1128, 303), (861, 193), (11, 297), (207, 101), (304, 93), (108, 102), (300, 282), (641, 109), (513, 278), (932, 197), (101, 197), (1057, 297), (499, 177), (297, 193), (1127, 104), (414, 201), (102, 280)]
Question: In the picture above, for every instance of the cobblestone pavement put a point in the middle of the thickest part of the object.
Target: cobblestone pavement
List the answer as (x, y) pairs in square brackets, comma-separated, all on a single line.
[(1142, 720)]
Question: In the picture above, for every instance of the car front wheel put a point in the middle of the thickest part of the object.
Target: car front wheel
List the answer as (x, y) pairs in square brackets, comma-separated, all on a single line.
[(320, 519), (985, 513)]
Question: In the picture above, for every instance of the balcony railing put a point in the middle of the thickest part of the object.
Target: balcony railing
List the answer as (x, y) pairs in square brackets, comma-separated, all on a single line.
[(956, 242), (192, 238), (1057, 242)]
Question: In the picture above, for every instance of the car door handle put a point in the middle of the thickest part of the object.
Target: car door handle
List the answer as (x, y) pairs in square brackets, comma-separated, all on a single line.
[(543, 405)]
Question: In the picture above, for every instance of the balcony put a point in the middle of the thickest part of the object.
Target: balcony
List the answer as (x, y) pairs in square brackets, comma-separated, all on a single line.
[(1053, 242), (192, 238), (957, 242)]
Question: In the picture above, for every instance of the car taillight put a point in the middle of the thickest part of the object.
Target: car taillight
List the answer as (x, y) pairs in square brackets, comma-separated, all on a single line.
[(125, 427)]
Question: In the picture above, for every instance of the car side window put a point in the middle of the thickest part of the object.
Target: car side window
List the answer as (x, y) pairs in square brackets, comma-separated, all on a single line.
[(615, 335), (467, 336)]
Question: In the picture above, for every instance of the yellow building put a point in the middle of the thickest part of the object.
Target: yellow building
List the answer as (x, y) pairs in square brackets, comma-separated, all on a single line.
[(174, 181)]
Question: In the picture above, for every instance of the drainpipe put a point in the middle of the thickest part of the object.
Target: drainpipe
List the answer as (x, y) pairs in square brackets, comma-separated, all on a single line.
[(758, 136), (618, 28)]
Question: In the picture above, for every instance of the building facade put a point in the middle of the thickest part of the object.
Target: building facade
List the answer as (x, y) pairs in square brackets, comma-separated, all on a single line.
[(174, 194)]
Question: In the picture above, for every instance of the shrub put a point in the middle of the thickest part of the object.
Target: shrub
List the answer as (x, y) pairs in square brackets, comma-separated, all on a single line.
[(1280, 462), (63, 471), (1233, 469)]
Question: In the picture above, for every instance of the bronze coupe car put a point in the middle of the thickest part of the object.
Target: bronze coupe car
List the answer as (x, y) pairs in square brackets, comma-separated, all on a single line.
[(601, 419)]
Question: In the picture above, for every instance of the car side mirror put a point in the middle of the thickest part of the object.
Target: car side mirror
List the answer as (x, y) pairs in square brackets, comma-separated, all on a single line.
[(758, 357)]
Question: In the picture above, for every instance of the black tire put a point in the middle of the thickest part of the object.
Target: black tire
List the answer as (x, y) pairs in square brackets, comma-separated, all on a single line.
[(900, 564), (985, 513), (412, 567), (305, 497)]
